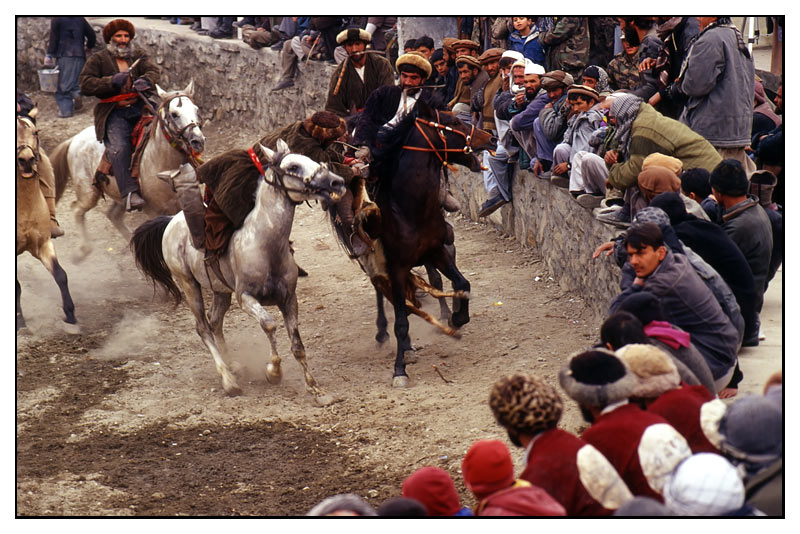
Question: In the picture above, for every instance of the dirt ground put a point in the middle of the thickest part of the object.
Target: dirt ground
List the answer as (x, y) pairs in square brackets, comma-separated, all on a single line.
[(129, 418)]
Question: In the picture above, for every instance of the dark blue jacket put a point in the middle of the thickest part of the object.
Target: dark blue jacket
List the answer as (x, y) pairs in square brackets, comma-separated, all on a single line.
[(67, 35)]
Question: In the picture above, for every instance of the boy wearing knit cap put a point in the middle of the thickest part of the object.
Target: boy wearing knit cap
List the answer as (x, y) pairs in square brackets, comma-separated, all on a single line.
[(601, 384), (489, 475), (574, 473), (582, 121)]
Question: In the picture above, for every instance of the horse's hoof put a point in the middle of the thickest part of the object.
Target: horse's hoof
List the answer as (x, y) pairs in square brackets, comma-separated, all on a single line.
[(232, 390), (382, 337), (274, 374), (400, 382), (323, 399), (458, 320), (74, 329)]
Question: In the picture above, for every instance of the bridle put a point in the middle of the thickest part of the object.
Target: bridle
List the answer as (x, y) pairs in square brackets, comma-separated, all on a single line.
[(173, 134), (33, 148), (280, 174), (441, 129)]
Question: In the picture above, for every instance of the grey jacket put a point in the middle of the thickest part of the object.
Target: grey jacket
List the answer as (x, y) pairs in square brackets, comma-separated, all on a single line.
[(719, 80), (690, 305), (749, 227), (580, 129), (554, 119)]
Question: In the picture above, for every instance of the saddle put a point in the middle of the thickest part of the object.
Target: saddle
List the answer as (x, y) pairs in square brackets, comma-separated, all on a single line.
[(139, 137)]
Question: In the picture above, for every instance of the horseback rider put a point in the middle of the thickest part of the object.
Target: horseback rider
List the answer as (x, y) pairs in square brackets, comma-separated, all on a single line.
[(118, 75), (387, 105), (47, 181)]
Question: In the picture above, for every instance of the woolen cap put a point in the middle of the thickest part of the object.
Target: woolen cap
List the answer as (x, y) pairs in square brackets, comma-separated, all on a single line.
[(433, 487), (557, 78), (584, 90), (469, 60), (116, 25), (447, 43), (752, 431), (662, 160), (597, 378), (487, 468), (353, 34), (493, 54), (654, 369), (704, 484), (325, 126), (465, 43), (525, 403), (729, 178), (417, 60)]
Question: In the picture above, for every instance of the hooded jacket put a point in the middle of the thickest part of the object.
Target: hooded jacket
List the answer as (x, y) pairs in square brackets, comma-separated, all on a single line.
[(521, 499), (718, 79)]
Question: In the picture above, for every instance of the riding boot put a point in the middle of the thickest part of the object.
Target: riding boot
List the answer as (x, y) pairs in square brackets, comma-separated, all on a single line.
[(212, 261), (448, 201), (55, 229), (344, 209), (191, 202)]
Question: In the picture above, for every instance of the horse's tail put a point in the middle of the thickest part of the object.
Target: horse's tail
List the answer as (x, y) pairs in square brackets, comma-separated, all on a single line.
[(146, 248), (58, 158)]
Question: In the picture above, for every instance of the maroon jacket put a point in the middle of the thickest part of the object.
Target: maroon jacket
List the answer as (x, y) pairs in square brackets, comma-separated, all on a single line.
[(520, 500), (681, 408), (617, 434), (552, 466)]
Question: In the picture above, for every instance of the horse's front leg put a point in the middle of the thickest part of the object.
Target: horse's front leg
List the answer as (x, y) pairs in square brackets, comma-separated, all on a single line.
[(82, 205), (436, 281), (398, 277), (381, 321), (50, 262), (116, 214), (447, 265), (219, 307), (289, 311), (252, 306)]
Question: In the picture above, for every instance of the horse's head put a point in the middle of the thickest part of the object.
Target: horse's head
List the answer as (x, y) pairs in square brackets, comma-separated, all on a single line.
[(179, 115), (27, 147), (462, 141), (302, 178)]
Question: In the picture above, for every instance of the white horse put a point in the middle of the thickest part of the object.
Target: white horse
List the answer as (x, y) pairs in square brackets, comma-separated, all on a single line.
[(174, 139), (258, 264)]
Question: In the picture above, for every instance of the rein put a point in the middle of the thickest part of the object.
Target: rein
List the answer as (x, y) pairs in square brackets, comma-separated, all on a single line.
[(280, 174), (441, 129), (173, 136)]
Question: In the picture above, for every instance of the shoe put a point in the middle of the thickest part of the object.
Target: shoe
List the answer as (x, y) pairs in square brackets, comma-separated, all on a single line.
[(276, 46), (283, 84), (609, 202), (615, 218), (491, 205), (359, 247), (559, 181), (64, 115), (589, 201), (220, 34), (134, 202)]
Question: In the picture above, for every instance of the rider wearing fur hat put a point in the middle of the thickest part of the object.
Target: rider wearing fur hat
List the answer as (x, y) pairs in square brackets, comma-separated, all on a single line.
[(117, 75)]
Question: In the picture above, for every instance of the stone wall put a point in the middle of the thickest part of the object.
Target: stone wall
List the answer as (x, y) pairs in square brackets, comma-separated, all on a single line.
[(546, 217), (233, 85)]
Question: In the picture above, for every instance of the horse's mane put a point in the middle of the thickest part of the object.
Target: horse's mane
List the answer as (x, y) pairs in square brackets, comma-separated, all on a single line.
[(390, 140)]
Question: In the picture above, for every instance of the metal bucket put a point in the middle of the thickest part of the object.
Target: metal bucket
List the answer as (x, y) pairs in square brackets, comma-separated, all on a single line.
[(48, 80)]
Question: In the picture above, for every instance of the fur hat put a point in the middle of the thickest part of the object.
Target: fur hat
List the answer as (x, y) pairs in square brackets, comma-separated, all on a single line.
[(493, 54), (662, 160), (325, 126), (469, 60), (526, 404), (417, 60), (116, 25), (353, 34), (465, 43), (434, 488), (583, 90), (596, 378), (487, 468), (729, 178), (762, 184), (655, 370), (555, 79), (401, 507)]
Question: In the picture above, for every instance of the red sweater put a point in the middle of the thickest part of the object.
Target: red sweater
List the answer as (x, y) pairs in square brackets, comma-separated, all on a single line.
[(552, 465), (617, 434), (681, 408)]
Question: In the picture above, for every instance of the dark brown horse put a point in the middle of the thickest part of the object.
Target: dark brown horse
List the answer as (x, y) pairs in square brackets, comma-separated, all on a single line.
[(409, 225)]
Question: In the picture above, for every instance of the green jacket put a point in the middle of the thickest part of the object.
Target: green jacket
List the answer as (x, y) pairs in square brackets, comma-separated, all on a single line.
[(95, 80), (353, 93), (653, 132)]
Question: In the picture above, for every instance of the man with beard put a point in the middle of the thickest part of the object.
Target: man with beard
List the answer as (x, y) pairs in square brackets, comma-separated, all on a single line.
[(116, 75), (389, 104), (358, 76), (472, 79)]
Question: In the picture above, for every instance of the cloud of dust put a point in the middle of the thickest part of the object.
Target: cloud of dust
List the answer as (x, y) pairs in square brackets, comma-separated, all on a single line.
[(135, 336)]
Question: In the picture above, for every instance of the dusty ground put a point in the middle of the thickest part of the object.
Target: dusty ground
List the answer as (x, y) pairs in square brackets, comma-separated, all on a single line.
[(129, 417)]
